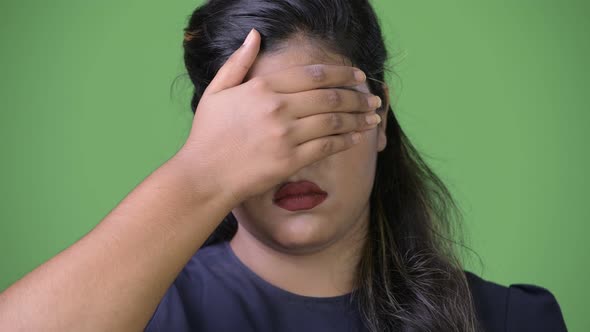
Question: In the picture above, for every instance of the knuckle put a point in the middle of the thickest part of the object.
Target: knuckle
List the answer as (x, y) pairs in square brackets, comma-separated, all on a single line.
[(274, 105), (243, 68), (361, 120), (334, 121), (280, 132), (364, 101), (327, 146), (317, 72), (230, 62), (333, 98), (259, 84)]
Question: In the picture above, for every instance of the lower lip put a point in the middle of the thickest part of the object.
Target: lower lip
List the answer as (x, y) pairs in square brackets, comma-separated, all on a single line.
[(301, 202)]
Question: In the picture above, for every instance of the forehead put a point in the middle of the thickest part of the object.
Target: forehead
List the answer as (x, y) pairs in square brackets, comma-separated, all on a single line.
[(297, 51)]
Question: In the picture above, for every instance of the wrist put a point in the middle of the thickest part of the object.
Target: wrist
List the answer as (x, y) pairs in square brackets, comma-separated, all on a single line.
[(200, 178)]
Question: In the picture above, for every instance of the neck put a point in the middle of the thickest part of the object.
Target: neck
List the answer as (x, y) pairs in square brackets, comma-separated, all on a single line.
[(332, 268)]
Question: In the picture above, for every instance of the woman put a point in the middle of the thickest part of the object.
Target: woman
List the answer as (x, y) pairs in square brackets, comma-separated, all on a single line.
[(297, 202)]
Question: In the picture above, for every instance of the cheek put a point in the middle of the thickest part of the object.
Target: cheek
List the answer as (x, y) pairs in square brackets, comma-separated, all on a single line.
[(354, 171), (361, 158), (348, 175)]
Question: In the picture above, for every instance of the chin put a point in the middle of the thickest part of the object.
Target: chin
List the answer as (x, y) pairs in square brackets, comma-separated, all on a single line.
[(300, 236), (295, 234)]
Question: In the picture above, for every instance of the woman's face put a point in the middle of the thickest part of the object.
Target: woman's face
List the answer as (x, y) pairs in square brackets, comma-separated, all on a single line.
[(346, 176)]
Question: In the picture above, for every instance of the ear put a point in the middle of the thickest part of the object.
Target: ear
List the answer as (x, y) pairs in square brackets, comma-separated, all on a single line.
[(381, 136)]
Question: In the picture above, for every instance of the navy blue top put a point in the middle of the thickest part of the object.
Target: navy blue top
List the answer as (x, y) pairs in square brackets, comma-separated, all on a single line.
[(215, 291)]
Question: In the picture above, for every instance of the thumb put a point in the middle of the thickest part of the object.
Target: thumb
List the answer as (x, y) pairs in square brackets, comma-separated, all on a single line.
[(234, 70)]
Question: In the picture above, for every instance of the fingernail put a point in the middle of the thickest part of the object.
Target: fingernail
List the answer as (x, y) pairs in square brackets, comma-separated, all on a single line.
[(374, 101), (359, 75), (356, 137), (373, 119), (249, 37)]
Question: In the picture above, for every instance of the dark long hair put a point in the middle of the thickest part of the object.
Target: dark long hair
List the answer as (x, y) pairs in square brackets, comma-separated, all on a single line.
[(409, 277)]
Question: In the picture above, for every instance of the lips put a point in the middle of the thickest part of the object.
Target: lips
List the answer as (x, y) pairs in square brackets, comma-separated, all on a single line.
[(301, 195), (297, 189)]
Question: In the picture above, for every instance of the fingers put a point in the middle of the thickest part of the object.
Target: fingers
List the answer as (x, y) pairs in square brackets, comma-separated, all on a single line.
[(312, 102), (318, 149), (302, 78), (313, 127), (234, 70)]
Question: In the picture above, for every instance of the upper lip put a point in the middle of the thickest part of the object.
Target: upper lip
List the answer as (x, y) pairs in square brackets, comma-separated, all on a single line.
[(297, 188)]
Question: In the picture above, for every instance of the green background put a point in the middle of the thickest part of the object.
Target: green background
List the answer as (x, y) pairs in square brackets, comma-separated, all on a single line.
[(493, 93)]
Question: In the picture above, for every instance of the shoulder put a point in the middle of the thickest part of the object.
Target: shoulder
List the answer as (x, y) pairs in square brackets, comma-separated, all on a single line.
[(517, 307)]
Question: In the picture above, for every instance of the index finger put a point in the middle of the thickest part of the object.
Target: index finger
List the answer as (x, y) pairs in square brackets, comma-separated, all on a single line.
[(310, 77)]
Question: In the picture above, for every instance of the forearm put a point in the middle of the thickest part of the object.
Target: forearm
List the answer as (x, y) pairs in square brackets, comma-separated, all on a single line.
[(113, 278)]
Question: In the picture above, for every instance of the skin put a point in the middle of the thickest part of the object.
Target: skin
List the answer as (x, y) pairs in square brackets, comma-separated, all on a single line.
[(288, 249), (113, 278)]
